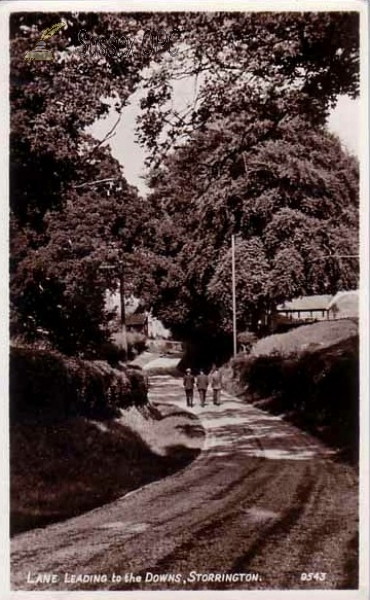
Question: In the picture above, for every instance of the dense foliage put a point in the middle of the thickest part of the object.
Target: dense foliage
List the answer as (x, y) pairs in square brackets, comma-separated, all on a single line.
[(291, 198), (299, 62), (247, 156), (317, 389), (72, 211), (46, 386)]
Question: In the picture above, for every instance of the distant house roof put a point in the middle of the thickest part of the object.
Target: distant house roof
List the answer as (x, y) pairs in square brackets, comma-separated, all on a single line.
[(319, 302), (345, 304), (136, 319)]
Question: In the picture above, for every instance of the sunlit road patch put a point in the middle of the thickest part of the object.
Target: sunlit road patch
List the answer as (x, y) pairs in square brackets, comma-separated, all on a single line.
[(239, 428), (262, 497)]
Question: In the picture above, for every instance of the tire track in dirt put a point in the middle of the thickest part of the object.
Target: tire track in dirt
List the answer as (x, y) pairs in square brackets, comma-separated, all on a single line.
[(261, 497)]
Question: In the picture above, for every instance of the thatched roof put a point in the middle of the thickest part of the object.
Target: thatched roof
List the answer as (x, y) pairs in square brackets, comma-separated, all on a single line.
[(345, 304), (319, 302)]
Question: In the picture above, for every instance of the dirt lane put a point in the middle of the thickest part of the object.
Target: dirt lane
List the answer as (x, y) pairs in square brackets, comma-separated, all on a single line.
[(263, 498)]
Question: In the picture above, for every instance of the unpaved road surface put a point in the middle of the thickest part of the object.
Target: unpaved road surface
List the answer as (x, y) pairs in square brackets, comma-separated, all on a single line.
[(263, 500)]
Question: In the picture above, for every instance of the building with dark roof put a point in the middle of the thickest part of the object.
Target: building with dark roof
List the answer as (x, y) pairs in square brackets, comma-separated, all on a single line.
[(137, 322)]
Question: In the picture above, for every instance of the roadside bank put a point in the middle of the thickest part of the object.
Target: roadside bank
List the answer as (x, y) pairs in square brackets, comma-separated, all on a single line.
[(310, 377), (71, 452)]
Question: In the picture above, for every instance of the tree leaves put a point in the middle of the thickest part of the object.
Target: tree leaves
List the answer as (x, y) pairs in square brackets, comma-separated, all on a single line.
[(297, 63), (248, 155), (288, 192)]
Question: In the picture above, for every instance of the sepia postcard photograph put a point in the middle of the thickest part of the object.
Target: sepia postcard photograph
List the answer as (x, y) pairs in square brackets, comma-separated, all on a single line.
[(185, 240)]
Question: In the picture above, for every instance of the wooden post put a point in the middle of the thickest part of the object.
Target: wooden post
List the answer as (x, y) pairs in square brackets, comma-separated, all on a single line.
[(122, 307), (233, 293)]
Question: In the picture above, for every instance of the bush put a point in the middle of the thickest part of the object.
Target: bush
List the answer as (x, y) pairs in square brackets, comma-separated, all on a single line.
[(317, 388), (112, 352), (45, 385), (136, 343), (247, 339)]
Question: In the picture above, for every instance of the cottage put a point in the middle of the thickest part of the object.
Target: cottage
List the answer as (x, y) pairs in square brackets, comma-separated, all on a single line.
[(344, 305), (137, 322), (305, 308)]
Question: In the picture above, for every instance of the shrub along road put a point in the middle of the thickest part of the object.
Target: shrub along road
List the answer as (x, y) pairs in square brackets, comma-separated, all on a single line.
[(263, 499)]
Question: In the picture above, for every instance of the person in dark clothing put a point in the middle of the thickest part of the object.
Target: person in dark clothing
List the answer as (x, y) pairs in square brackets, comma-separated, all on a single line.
[(189, 387), (202, 384)]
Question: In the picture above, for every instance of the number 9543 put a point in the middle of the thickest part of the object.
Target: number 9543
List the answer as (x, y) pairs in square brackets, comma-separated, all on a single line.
[(313, 576)]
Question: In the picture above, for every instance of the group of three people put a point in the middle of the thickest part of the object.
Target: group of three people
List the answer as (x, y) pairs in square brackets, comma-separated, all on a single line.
[(202, 381)]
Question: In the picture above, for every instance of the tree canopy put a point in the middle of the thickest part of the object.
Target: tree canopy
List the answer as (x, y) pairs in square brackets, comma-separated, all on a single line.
[(292, 201), (69, 200), (297, 62), (249, 156)]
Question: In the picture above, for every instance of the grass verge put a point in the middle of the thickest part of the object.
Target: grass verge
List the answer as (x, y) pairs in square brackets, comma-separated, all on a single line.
[(316, 389), (62, 469)]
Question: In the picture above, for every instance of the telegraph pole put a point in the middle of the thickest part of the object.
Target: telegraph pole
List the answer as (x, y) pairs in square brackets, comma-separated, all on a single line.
[(233, 285), (122, 308)]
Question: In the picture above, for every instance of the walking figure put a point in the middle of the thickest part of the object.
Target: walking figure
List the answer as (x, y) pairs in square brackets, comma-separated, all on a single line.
[(216, 382), (202, 384), (189, 387)]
